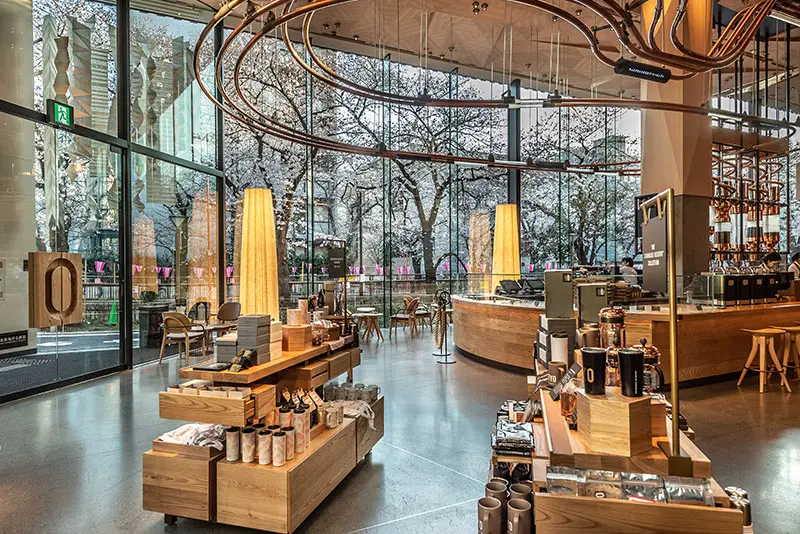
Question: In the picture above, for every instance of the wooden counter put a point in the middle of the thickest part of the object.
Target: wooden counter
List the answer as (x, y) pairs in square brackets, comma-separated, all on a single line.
[(710, 340), (500, 331)]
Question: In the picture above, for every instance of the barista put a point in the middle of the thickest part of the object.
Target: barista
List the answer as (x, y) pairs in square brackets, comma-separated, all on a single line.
[(794, 268), (627, 271), (769, 263)]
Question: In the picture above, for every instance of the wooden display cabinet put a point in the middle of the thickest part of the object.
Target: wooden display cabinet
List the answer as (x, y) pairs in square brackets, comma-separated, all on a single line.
[(180, 480), (197, 482)]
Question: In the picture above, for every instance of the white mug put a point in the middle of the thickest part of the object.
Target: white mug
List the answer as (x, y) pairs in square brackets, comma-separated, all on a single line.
[(331, 418)]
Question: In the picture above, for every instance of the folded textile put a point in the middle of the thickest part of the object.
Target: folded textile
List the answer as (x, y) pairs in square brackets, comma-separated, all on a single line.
[(358, 408), (197, 435)]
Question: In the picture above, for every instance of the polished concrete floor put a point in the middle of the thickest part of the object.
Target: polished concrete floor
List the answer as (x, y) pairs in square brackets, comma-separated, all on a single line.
[(70, 460)]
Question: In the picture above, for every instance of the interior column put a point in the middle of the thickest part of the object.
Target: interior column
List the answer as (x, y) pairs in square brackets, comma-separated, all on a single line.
[(676, 147), (17, 194)]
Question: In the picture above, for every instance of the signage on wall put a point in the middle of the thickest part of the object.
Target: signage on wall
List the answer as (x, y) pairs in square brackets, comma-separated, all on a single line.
[(60, 115), (654, 255), (13, 340), (336, 263)]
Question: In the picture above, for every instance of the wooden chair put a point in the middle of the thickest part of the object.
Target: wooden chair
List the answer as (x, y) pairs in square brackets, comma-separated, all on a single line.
[(227, 315), (764, 342), (425, 316), (178, 328), (407, 317)]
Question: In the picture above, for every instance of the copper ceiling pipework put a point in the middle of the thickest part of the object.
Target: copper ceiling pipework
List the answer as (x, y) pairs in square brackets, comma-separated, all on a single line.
[(304, 138), (728, 48)]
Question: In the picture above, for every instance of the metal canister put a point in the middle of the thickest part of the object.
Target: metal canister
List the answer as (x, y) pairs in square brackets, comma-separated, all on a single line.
[(733, 491), (742, 504)]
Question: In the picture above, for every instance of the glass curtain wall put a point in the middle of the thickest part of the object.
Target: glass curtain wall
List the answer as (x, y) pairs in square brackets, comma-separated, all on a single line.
[(59, 242), (412, 227)]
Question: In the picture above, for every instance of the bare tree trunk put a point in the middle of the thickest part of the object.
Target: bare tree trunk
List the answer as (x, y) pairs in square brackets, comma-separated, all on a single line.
[(427, 254)]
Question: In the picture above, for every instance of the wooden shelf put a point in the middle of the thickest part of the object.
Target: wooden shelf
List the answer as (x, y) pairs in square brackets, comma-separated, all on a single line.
[(567, 449), (257, 372), (578, 515)]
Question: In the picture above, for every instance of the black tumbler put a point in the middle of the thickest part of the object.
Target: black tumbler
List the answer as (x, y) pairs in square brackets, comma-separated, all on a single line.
[(594, 370), (631, 371)]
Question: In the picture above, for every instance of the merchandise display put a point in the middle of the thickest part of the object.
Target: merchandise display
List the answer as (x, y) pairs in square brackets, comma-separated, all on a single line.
[(276, 428)]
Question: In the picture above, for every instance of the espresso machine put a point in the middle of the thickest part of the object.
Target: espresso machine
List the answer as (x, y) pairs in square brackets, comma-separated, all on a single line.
[(715, 289)]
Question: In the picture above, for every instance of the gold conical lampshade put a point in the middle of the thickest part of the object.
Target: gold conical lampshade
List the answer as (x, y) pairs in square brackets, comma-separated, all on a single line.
[(505, 259), (259, 261)]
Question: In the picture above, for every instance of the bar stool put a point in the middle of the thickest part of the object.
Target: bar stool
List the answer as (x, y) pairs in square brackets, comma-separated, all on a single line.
[(764, 340), (791, 337)]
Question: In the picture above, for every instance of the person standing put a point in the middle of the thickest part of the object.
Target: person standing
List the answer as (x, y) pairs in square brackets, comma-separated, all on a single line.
[(627, 271), (794, 267)]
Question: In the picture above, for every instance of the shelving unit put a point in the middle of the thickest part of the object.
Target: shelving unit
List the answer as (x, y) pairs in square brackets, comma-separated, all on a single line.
[(572, 515), (198, 483)]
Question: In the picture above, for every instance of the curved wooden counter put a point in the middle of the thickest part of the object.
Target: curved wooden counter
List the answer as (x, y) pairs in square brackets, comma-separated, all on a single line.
[(711, 342), (501, 331)]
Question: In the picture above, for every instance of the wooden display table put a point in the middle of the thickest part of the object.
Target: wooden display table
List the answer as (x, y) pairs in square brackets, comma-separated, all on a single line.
[(557, 514), (198, 483)]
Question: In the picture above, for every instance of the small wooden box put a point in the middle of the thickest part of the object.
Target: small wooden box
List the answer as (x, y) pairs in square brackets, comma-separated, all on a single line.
[(264, 398), (338, 363), (201, 409), (334, 332), (180, 480), (296, 338), (355, 357), (615, 424), (658, 410)]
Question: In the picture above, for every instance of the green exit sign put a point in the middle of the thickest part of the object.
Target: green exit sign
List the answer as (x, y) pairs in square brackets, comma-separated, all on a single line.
[(59, 114)]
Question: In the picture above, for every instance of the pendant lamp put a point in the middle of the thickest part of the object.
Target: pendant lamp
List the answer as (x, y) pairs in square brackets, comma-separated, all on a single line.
[(505, 259), (259, 269)]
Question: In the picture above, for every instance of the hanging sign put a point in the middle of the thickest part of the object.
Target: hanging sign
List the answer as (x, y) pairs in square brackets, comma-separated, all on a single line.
[(654, 254), (336, 265)]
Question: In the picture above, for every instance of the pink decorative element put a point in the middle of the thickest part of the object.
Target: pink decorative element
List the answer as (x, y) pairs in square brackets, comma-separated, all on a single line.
[(98, 266), (408, 270), (351, 268), (214, 270), (294, 270), (228, 271), (137, 268), (198, 271), (167, 271), (379, 270), (446, 266), (530, 267), (399, 270), (483, 268), (158, 270)]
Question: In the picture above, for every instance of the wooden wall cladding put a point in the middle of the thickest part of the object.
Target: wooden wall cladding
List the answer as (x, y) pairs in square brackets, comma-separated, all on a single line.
[(55, 289), (497, 332)]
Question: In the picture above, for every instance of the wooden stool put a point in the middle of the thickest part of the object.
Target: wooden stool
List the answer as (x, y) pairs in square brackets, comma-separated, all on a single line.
[(372, 325), (763, 340), (792, 336)]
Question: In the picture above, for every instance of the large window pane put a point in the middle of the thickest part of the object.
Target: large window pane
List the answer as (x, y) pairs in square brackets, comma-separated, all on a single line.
[(63, 50), (174, 249), (169, 112), (58, 193)]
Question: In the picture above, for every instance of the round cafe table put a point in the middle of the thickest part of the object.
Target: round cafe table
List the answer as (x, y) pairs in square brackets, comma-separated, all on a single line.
[(372, 326), (359, 316)]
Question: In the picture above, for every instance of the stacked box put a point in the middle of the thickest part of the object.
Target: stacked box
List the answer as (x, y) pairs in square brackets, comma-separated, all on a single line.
[(254, 334), (227, 348)]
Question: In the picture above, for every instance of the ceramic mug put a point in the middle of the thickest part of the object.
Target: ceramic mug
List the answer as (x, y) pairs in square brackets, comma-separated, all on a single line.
[(490, 519), (331, 418), (520, 517), (519, 491), (498, 490), (500, 480)]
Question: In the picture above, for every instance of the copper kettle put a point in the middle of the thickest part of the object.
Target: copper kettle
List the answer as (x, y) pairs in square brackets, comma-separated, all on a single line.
[(588, 335)]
